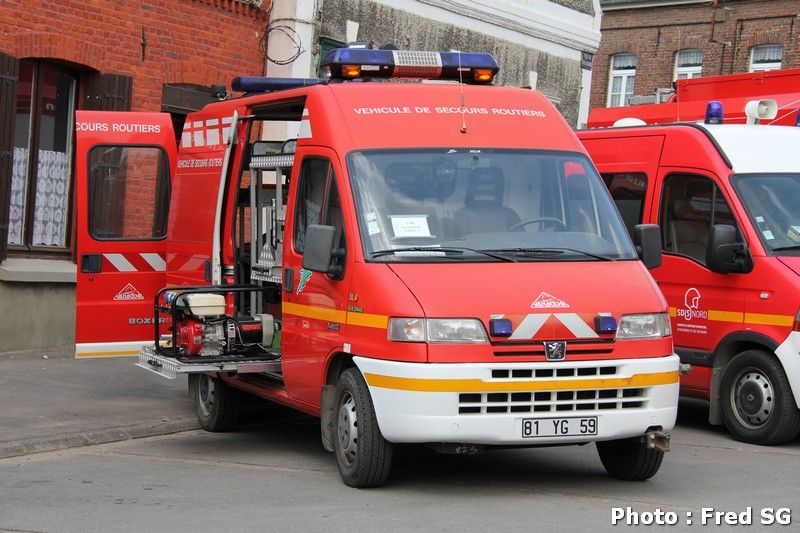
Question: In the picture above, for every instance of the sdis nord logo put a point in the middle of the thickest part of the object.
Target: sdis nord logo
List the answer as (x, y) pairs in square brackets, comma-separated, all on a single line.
[(692, 302)]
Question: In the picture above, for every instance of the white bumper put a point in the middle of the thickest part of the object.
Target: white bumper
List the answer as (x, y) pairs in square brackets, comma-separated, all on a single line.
[(485, 403), (789, 355)]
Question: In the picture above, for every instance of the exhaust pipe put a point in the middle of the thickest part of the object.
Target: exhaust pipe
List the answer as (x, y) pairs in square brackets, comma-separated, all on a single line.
[(658, 440)]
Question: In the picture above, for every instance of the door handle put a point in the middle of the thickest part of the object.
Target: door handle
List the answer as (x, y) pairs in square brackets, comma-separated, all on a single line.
[(91, 263), (288, 279)]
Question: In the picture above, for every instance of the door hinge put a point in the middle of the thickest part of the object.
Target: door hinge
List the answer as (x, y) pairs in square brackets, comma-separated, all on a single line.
[(9, 77)]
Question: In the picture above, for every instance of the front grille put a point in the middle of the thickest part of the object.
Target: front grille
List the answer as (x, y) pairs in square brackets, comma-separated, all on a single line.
[(560, 372), (551, 401)]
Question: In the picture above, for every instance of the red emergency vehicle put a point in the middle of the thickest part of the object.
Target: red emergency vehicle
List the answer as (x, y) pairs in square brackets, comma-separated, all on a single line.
[(733, 90), (403, 263), (727, 199)]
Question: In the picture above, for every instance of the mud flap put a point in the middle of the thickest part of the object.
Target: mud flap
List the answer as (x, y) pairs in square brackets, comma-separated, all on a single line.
[(328, 416)]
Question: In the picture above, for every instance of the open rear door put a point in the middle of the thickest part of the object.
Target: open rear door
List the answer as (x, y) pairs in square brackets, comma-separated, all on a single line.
[(124, 164)]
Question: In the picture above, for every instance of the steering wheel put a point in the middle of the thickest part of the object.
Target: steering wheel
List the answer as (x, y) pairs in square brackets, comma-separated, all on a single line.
[(528, 221)]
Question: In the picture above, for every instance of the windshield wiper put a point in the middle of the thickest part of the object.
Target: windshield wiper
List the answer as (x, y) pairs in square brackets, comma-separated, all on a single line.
[(452, 250), (782, 248), (548, 251)]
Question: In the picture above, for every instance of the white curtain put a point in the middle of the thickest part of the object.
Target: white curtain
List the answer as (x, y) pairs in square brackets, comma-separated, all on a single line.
[(52, 189), (52, 198), (19, 188)]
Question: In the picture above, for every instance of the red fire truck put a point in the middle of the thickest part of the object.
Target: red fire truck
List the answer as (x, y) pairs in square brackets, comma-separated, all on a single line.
[(402, 263), (732, 90), (727, 199)]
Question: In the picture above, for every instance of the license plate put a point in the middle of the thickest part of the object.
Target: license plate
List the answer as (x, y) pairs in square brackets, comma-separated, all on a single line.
[(559, 427)]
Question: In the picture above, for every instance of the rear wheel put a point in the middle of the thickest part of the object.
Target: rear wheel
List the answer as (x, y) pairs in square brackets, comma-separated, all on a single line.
[(363, 456), (630, 459), (757, 401), (217, 403)]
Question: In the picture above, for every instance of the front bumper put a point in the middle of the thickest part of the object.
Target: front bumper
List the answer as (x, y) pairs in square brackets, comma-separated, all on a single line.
[(485, 403)]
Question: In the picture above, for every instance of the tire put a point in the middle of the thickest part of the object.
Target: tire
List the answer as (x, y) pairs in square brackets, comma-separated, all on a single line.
[(217, 404), (363, 456), (629, 459), (757, 402)]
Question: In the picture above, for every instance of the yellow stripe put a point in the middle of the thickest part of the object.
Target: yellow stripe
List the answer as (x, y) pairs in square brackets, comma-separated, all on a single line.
[(334, 315), (312, 311), (368, 320), (107, 354), (477, 385), (769, 320), (725, 316), (673, 312)]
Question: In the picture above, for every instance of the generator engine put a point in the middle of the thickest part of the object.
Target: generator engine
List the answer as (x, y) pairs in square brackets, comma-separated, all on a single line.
[(204, 329)]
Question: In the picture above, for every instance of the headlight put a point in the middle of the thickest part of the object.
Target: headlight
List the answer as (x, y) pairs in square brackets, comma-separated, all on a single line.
[(437, 330), (644, 326)]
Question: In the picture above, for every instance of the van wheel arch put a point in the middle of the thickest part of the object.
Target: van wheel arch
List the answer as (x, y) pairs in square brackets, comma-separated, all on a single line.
[(337, 363), (729, 347)]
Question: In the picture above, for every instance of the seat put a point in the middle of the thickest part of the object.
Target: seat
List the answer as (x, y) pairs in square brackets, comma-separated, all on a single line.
[(689, 231), (483, 209)]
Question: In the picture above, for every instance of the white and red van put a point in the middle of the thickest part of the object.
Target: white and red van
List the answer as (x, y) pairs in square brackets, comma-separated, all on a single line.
[(727, 200), (395, 258)]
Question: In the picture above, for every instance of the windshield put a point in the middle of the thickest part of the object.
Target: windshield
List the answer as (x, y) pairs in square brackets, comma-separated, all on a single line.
[(484, 205), (772, 202)]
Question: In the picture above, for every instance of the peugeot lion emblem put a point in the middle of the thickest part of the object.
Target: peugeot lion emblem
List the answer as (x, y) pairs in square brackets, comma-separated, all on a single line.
[(555, 350)]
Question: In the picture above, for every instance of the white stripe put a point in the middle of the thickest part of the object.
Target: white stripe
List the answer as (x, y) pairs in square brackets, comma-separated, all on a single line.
[(155, 261), (108, 349), (304, 132), (576, 325), (305, 111), (120, 263), (192, 264), (530, 326)]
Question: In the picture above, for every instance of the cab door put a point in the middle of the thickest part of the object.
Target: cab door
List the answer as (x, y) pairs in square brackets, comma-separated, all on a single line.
[(704, 306), (314, 303), (124, 164)]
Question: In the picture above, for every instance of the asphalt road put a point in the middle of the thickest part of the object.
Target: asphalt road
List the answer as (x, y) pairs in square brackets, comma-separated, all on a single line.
[(276, 477)]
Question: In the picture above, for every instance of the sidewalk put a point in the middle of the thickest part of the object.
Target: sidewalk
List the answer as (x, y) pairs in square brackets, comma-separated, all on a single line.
[(51, 401)]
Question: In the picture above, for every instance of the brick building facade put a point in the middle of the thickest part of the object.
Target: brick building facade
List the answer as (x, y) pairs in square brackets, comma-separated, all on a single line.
[(647, 44), (60, 56)]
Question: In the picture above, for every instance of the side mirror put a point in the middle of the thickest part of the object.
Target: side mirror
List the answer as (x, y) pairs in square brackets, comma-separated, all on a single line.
[(724, 254), (647, 238), (318, 250)]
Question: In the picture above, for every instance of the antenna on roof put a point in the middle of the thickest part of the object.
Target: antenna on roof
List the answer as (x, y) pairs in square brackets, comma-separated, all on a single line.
[(461, 87)]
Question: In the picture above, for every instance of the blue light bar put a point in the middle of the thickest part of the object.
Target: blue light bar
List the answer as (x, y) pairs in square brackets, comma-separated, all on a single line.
[(355, 63), (261, 84), (605, 323), (797, 118), (714, 112), (500, 327)]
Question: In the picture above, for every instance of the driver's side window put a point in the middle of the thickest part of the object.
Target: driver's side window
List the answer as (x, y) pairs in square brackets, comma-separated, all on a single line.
[(318, 202), (691, 204)]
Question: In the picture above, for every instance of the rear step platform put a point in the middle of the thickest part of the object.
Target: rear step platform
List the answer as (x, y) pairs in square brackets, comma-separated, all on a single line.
[(170, 367)]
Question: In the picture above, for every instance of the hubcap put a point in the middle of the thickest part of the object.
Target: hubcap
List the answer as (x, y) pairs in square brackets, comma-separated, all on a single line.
[(347, 429), (205, 394), (752, 398)]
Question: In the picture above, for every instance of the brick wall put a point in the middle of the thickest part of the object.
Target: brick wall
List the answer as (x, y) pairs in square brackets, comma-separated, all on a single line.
[(196, 42), (655, 34)]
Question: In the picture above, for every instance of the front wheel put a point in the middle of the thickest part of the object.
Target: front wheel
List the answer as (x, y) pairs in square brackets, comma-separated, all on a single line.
[(363, 456), (757, 401), (630, 459), (217, 403)]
